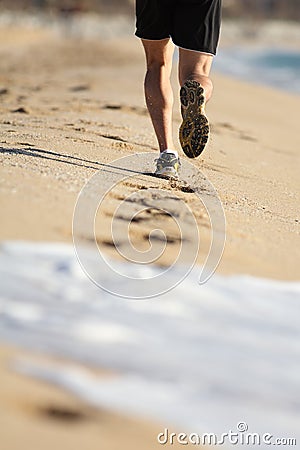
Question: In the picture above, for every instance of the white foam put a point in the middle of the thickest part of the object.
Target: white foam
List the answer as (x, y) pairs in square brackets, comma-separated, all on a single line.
[(201, 358), (90, 331)]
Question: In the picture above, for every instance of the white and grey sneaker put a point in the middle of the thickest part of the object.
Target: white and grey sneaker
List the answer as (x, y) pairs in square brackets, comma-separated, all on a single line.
[(168, 164)]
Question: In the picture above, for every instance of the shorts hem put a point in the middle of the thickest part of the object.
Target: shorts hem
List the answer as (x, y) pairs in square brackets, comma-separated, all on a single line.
[(204, 52), (152, 39)]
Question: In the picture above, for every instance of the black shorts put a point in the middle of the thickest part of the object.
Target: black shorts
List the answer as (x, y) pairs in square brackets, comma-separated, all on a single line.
[(192, 24)]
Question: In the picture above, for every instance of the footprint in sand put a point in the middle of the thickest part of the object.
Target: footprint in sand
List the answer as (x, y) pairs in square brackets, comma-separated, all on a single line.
[(127, 108), (21, 110), (4, 91), (221, 126), (80, 88), (63, 413)]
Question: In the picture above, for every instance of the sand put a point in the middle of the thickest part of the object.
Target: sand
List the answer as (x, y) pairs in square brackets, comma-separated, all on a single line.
[(70, 110), (35, 415), (70, 107)]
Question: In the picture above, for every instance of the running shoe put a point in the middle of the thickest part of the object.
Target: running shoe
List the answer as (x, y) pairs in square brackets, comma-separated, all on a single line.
[(194, 130), (167, 165)]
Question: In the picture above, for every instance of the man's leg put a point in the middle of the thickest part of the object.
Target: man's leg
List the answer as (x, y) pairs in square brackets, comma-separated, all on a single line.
[(196, 90), (196, 66), (158, 90)]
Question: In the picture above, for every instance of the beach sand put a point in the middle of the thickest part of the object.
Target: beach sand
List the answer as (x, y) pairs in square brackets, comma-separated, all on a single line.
[(35, 415), (70, 107)]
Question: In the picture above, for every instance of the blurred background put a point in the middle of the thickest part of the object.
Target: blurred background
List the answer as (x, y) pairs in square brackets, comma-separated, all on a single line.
[(268, 9)]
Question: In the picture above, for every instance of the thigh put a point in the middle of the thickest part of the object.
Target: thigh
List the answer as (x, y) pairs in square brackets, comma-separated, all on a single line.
[(159, 52), (196, 25)]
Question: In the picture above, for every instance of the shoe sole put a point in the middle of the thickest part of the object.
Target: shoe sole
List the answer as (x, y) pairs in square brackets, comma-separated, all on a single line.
[(194, 130)]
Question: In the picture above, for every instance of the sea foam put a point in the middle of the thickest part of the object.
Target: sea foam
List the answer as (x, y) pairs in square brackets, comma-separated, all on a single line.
[(199, 358)]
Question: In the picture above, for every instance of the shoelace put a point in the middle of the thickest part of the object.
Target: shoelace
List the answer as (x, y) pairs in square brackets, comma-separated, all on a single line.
[(178, 159)]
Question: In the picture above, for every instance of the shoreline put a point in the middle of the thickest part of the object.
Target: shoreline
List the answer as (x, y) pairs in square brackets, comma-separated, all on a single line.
[(72, 318)]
